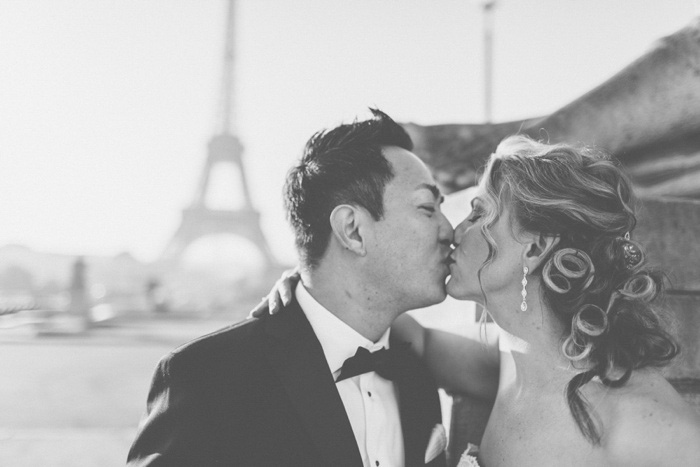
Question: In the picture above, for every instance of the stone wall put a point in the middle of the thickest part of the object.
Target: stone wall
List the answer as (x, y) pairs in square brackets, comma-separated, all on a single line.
[(670, 231)]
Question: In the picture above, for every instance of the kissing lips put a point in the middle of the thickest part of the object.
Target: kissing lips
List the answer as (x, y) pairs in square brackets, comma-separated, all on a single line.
[(448, 261)]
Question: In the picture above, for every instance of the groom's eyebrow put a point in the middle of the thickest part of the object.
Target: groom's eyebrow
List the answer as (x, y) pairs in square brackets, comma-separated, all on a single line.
[(434, 190)]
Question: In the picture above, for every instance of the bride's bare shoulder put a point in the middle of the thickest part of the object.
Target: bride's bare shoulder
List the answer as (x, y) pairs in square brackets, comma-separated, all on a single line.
[(646, 422)]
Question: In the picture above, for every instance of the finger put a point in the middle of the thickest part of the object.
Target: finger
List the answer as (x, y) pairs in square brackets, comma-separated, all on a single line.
[(286, 296), (284, 290), (273, 301), (259, 309), (287, 286), (290, 273), (275, 305)]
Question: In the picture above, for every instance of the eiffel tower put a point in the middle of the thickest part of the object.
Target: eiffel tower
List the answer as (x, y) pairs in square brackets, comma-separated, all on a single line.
[(198, 220)]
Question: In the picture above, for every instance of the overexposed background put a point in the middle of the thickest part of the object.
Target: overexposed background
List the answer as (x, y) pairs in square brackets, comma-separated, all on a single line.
[(106, 106)]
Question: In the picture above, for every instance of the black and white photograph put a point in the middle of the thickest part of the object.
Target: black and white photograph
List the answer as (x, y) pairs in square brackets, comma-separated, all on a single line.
[(350, 233)]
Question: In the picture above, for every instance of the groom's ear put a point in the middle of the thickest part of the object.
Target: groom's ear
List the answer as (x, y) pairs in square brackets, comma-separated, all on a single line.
[(538, 248), (346, 221)]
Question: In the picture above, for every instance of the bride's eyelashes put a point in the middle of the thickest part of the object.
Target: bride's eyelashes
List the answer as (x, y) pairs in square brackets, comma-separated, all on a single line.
[(475, 215)]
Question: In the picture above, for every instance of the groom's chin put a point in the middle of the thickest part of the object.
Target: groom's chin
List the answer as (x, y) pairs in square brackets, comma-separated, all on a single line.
[(440, 295), (431, 297)]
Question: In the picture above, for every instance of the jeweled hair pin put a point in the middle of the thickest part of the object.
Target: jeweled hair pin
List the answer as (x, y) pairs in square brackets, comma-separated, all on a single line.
[(633, 255)]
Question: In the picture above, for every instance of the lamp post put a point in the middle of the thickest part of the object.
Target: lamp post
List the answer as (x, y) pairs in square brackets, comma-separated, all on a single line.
[(487, 7)]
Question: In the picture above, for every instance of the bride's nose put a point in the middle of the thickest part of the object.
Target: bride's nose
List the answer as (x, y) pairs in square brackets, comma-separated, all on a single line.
[(459, 231)]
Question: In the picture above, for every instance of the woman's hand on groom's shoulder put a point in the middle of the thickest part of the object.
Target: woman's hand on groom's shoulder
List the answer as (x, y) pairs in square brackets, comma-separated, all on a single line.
[(279, 296)]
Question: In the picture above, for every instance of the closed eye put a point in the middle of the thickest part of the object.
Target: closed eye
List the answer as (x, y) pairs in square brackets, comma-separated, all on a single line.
[(474, 216), (429, 208)]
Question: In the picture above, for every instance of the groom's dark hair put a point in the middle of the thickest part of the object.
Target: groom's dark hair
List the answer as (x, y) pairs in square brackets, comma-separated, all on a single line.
[(343, 165)]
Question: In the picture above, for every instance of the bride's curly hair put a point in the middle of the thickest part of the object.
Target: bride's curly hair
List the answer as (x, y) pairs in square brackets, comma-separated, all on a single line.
[(596, 280)]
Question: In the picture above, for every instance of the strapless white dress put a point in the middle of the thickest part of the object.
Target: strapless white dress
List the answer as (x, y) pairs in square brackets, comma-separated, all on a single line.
[(468, 458)]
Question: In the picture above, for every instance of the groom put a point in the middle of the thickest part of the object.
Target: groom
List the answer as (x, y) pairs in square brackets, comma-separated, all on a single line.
[(321, 383)]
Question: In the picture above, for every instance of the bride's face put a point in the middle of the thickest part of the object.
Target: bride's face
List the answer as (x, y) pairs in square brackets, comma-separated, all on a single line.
[(501, 277)]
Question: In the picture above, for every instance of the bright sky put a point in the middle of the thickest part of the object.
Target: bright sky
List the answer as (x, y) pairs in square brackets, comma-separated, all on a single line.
[(106, 106)]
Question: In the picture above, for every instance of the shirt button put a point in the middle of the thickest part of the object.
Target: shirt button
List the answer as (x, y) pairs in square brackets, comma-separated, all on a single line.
[(369, 393), (376, 463)]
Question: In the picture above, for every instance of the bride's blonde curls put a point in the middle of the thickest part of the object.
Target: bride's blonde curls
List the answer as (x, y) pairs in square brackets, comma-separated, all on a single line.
[(597, 282), (567, 266)]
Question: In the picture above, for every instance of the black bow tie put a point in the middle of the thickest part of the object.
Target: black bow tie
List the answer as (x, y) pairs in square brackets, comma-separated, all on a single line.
[(385, 362)]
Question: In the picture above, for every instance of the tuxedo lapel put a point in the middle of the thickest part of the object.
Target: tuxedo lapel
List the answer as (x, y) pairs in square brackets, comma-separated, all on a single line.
[(295, 354), (412, 423), (420, 409)]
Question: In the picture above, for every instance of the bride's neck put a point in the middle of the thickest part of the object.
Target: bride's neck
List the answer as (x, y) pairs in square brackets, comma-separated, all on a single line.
[(534, 342)]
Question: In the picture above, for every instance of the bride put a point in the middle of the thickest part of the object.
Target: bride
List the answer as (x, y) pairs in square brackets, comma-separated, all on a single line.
[(574, 365), (546, 250)]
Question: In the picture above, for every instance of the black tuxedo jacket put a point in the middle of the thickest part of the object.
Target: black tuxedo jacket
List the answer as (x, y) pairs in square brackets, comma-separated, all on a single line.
[(260, 394)]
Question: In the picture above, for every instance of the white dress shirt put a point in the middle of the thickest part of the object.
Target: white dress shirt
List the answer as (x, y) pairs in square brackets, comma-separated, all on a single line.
[(370, 401)]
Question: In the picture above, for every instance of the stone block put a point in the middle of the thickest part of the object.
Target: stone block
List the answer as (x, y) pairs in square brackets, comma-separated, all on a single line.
[(669, 230), (683, 312)]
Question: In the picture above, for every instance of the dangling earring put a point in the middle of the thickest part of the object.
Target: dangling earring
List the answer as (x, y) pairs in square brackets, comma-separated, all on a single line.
[(523, 305)]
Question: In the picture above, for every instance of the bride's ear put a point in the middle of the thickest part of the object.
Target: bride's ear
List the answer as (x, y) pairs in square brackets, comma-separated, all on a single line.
[(538, 249)]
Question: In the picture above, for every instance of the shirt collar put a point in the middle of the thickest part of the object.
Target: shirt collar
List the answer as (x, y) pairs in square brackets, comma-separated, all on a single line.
[(338, 340)]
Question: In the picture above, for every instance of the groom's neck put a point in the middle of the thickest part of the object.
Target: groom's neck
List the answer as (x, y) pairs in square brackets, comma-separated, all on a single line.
[(343, 293)]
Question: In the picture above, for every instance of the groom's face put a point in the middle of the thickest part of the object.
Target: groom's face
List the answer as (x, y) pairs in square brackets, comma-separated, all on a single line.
[(411, 243)]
